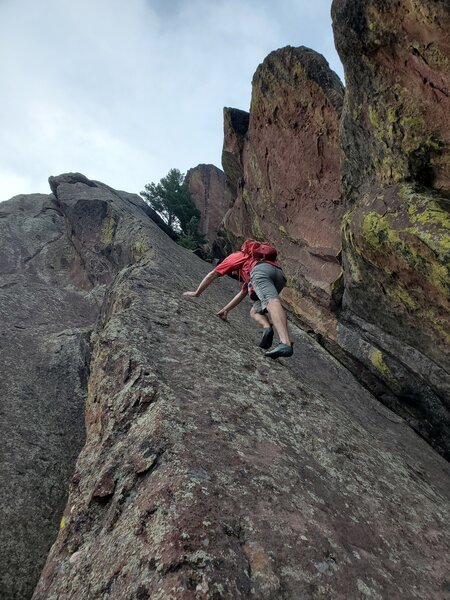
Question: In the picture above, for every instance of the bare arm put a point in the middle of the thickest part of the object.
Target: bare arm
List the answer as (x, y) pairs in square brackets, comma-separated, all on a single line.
[(223, 314), (206, 281)]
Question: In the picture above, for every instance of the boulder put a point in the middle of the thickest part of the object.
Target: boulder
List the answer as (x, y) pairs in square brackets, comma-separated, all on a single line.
[(284, 168), (395, 139)]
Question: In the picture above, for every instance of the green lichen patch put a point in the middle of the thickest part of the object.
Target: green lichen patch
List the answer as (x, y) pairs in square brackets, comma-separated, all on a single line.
[(402, 297), (430, 221), (389, 170), (291, 281), (412, 126), (401, 243), (378, 126), (425, 12), (405, 141), (398, 248), (350, 249), (256, 226), (376, 358), (109, 227), (432, 54), (437, 321), (140, 248)]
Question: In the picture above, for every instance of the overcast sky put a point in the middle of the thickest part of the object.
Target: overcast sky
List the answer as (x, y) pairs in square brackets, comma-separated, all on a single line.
[(124, 90)]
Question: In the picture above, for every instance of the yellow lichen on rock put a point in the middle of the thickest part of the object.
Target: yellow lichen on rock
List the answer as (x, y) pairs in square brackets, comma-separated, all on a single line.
[(402, 295), (108, 228), (376, 358), (430, 221), (380, 234), (140, 248)]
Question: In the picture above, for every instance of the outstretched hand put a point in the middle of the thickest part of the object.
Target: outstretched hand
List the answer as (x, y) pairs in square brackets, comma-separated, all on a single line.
[(190, 294), (223, 314)]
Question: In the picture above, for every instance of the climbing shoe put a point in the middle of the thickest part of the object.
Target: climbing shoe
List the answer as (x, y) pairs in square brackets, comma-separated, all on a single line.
[(280, 351), (267, 338)]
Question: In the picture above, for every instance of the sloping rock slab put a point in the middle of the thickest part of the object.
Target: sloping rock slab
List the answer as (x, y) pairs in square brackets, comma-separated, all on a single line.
[(58, 253), (210, 472), (45, 324)]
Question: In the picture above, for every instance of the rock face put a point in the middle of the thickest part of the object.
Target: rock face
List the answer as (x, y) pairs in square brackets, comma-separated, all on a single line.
[(396, 234), (209, 472), (282, 163), (57, 258), (213, 198), (47, 309), (396, 61), (235, 126)]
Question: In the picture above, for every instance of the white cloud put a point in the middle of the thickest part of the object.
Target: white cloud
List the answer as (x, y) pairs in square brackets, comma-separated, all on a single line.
[(125, 91)]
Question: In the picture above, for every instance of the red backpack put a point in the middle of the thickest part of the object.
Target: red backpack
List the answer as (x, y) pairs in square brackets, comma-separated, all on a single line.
[(259, 251)]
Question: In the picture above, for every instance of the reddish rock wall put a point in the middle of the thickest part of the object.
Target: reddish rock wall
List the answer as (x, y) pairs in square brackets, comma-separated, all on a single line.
[(212, 197), (396, 244), (235, 125), (285, 171), (397, 70)]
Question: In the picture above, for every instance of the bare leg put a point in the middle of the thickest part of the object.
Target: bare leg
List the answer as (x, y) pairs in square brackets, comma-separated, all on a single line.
[(279, 320), (262, 320)]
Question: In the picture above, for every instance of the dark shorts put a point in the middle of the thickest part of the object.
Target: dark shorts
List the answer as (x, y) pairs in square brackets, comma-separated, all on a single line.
[(267, 281)]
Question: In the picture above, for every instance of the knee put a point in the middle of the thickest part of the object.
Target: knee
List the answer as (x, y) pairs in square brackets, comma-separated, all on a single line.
[(273, 302)]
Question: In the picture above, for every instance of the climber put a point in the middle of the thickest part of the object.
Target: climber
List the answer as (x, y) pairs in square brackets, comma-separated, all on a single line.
[(263, 279)]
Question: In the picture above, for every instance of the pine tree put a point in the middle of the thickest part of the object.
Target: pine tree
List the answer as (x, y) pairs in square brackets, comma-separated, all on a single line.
[(172, 201)]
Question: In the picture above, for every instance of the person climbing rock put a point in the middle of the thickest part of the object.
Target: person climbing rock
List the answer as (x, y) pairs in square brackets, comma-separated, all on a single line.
[(263, 279)]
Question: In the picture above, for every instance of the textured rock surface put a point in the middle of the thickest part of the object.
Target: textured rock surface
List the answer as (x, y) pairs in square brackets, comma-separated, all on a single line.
[(285, 169), (396, 57), (235, 127), (209, 472), (213, 198), (46, 312), (56, 258), (396, 246)]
